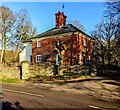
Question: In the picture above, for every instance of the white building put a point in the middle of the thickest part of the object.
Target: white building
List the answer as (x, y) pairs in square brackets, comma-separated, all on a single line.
[(26, 53)]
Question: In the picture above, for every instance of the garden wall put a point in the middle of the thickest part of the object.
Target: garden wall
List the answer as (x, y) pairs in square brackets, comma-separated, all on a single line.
[(40, 70), (9, 72), (48, 70)]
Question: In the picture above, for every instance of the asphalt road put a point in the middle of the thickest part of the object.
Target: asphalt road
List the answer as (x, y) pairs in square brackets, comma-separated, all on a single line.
[(24, 97)]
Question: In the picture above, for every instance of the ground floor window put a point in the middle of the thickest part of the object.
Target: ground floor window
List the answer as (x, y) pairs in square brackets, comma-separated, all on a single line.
[(79, 58), (38, 58), (46, 58), (57, 59), (89, 57)]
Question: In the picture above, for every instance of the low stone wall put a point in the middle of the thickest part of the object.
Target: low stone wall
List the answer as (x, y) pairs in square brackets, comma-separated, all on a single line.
[(40, 70), (44, 69), (9, 72), (73, 69)]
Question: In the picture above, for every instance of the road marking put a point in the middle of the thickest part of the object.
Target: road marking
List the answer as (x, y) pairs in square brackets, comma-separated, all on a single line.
[(22, 92), (92, 106)]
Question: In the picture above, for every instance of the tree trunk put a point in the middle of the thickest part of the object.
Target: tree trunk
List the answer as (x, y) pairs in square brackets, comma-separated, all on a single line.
[(109, 56), (3, 47)]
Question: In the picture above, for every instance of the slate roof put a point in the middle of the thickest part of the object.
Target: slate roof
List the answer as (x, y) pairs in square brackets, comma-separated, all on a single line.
[(64, 29), (56, 31)]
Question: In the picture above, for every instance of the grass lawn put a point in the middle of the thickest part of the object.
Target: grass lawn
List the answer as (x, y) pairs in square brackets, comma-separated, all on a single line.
[(11, 80)]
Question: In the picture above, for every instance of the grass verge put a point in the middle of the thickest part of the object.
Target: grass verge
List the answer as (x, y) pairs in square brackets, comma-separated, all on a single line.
[(11, 80), (65, 77)]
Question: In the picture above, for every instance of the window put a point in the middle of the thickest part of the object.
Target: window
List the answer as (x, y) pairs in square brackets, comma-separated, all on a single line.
[(38, 43), (57, 59), (46, 58), (38, 58), (84, 43), (79, 58), (89, 57), (58, 42)]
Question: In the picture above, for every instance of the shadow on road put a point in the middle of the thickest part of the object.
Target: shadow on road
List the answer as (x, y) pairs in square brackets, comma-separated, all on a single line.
[(83, 80), (9, 106)]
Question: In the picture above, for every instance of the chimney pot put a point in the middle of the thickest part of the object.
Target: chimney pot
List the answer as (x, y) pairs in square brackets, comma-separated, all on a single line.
[(60, 19)]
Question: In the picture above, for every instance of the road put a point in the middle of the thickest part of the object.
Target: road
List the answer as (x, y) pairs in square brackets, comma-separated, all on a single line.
[(24, 97)]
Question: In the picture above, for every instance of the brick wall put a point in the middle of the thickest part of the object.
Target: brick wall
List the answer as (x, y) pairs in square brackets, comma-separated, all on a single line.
[(75, 47)]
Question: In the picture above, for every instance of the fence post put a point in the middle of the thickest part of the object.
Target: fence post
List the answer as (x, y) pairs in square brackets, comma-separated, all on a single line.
[(25, 70)]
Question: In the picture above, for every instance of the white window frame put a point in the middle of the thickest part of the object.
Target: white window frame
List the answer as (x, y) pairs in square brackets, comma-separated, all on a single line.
[(38, 43), (58, 42), (38, 59), (57, 59), (79, 58), (89, 57), (84, 43)]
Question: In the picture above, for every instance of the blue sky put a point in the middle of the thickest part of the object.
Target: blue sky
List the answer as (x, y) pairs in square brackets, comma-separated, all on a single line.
[(43, 13)]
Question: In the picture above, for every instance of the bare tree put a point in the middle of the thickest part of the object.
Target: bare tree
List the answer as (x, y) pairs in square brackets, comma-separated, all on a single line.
[(14, 28), (105, 32), (112, 8), (99, 47), (24, 30), (7, 20), (78, 25)]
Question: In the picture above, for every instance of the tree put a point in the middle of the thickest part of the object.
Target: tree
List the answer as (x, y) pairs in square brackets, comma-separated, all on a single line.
[(7, 20), (60, 45), (14, 28), (112, 9), (24, 30), (99, 48), (105, 32), (78, 25)]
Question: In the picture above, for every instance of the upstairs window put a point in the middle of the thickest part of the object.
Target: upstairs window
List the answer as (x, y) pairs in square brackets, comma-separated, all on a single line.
[(38, 58), (84, 43), (58, 42), (38, 43)]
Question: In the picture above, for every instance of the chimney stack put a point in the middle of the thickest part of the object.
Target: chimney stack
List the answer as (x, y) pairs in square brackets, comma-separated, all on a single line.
[(60, 19)]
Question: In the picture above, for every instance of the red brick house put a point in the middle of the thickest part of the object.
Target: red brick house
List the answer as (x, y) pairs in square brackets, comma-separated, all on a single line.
[(78, 44)]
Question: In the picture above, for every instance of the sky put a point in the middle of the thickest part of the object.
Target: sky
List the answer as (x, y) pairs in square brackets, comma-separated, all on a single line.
[(42, 14)]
